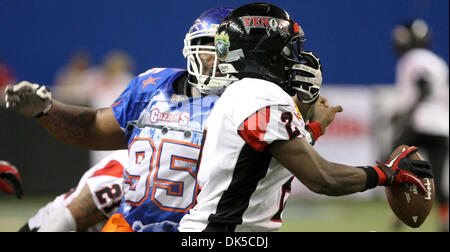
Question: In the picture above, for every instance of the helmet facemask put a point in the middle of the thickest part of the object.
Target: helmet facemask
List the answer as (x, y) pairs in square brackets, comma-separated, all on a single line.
[(305, 71), (204, 74)]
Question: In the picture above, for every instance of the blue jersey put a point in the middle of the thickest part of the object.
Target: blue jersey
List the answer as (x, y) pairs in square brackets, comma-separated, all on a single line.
[(164, 133)]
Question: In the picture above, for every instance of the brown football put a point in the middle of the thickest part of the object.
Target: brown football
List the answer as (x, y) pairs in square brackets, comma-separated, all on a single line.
[(408, 202)]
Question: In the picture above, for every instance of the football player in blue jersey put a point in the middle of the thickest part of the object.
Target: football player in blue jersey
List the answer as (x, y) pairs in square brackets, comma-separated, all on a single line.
[(160, 118)]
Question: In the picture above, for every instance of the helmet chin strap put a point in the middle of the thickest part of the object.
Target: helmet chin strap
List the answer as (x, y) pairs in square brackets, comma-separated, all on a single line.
[(187, 88), (207, 80), (190, 90)]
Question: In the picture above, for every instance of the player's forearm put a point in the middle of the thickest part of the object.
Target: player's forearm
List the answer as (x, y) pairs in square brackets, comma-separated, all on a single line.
[(84, 210), (343, 180), (316, 173), (70, 124)]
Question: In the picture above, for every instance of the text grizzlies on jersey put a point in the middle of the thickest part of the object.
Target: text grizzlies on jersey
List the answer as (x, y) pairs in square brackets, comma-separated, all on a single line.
[(180, 118)]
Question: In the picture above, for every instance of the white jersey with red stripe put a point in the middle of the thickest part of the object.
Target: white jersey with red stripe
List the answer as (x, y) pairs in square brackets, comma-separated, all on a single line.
[(243, 188), (104, 180)]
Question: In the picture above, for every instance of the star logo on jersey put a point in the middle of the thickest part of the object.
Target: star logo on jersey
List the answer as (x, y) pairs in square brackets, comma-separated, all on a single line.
[(149, 80)]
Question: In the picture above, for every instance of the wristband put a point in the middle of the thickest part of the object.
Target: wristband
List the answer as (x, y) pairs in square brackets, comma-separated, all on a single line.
[(381, 175), (372, 177), (315, 129)]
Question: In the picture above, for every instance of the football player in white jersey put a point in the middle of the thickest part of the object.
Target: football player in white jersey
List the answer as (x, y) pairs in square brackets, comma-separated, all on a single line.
[(124, 123), (422, 116), (255, 138), (87, 206)]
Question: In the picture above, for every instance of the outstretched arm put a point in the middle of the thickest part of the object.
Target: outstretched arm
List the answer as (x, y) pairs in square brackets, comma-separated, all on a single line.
[(315, 172), (333, 179), (84, 127), (78, 126)]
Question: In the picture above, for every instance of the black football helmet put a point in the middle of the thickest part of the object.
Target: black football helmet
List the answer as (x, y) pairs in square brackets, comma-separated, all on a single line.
[(261, 40)]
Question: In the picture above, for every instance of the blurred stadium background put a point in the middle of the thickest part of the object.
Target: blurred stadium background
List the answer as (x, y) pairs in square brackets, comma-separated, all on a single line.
[(86, 51)]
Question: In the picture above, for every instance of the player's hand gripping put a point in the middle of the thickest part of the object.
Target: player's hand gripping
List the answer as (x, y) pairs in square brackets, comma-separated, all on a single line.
[(10, 181), (28, 99), (403, 169)]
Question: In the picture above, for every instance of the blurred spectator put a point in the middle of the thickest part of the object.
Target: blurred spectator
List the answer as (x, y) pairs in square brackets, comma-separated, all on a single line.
[(70, 82), (94, 86), (105, 83), (422, 111), (7, 77), (97, 86)]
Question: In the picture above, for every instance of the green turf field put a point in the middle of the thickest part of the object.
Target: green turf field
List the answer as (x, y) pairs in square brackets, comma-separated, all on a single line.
[(299, 215), (345, 216), (14, 213)]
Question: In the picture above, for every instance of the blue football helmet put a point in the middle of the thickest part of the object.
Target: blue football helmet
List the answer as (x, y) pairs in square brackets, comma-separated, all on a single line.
[(200, 40)]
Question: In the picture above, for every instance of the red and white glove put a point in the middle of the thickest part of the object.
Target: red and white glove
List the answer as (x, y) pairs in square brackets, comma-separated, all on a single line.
[(403, 169), (10, 181)]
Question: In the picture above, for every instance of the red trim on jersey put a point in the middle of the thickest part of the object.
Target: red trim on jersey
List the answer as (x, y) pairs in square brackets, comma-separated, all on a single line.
[(113, 168), (253, 129)]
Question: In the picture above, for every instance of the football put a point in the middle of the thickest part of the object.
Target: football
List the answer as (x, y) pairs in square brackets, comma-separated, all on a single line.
[(408, 202)]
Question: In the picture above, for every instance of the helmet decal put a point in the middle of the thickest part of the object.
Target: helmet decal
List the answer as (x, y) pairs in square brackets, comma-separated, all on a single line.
[(222, 43), (268, 23)]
